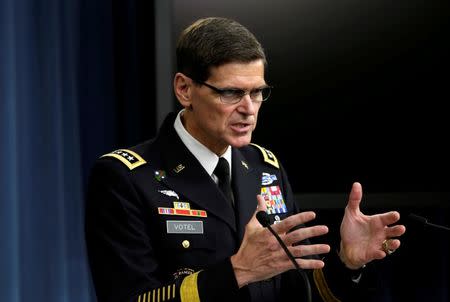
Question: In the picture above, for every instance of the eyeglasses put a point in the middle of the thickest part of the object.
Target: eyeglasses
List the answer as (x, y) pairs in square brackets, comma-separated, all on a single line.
[(234, 95)]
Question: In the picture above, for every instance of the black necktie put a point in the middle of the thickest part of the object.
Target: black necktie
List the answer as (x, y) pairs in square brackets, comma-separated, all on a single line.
[(222, 171)]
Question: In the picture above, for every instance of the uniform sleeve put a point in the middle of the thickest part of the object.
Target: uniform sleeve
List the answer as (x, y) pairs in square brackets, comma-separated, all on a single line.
[(121, 255), (335, 282)]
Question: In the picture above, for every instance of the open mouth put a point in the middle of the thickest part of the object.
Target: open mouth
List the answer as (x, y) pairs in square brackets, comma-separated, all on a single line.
[(241, 127)]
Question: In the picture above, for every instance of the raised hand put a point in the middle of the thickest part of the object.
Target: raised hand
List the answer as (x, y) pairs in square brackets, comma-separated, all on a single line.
[(260, 256), (367, 237)]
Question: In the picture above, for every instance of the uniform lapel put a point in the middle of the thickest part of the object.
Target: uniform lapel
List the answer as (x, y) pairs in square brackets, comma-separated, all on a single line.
[(246, 185), (187, 176)]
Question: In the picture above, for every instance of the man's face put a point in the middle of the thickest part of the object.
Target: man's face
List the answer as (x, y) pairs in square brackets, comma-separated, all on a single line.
[(216, 124)]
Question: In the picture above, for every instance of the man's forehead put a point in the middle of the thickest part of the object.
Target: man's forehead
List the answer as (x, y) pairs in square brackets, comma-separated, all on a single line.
[(238, 72)]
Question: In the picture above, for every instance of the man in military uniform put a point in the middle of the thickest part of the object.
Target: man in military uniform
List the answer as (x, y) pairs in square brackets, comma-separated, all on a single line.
[(162, 223)]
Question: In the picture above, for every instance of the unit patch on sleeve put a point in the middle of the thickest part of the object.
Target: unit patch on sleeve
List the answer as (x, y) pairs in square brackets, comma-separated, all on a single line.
[(274, 200), (182, 272), (131, 159)]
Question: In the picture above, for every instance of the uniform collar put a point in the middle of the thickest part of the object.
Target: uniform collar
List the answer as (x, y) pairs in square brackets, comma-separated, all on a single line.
[(206, 157)]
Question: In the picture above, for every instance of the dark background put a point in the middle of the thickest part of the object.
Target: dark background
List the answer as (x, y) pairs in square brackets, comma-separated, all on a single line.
[(360, 93), (360, 89)]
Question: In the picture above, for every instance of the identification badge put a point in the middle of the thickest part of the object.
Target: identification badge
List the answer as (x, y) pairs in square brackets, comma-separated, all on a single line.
[(184, 227)]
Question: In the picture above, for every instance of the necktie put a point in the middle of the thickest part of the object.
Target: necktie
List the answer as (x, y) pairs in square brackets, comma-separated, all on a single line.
[(222, 171)]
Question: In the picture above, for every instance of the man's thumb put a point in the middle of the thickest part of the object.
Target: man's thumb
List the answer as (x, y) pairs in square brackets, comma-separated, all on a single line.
[(261, 204)]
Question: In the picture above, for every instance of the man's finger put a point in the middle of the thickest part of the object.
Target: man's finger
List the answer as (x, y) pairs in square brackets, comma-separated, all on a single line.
[(290, 222), (261, 203), (305, 233), (355, 196)]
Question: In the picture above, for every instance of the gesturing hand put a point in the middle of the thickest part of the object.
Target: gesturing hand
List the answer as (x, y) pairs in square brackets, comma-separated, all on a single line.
[(362, 236), (260, 256)]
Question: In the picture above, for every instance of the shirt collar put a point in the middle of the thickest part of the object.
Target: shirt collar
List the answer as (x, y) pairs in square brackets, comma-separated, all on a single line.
[(206, 157)]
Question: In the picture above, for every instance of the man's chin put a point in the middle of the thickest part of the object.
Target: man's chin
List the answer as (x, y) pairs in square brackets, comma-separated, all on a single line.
[(240, 142)]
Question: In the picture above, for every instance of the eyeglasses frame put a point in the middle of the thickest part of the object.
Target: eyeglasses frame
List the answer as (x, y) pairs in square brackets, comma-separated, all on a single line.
[(221, 91)]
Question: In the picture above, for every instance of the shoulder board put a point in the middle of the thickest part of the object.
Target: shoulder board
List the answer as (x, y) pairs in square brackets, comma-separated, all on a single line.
[(269, 157), (129, 158)]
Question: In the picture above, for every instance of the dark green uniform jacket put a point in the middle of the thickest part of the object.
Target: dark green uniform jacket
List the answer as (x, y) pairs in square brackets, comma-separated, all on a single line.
[(159, 229)]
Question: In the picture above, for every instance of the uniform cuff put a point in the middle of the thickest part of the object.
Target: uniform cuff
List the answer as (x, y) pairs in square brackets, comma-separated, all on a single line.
[(346, 283), (218, 282)]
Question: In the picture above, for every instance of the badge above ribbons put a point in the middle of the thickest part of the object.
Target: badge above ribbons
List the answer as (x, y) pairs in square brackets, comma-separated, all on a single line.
[(268, 179)]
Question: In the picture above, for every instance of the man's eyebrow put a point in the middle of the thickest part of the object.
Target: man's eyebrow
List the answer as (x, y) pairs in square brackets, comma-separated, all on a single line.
[(236, 88)]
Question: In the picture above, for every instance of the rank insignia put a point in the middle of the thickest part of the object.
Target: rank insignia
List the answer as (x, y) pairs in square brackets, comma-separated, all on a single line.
[(182, 209), (268, 179), (268, 156), (160, 174), (274, 200), (131, 159)]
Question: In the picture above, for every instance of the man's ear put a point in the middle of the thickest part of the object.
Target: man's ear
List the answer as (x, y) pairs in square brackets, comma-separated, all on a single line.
[(182, 89)]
